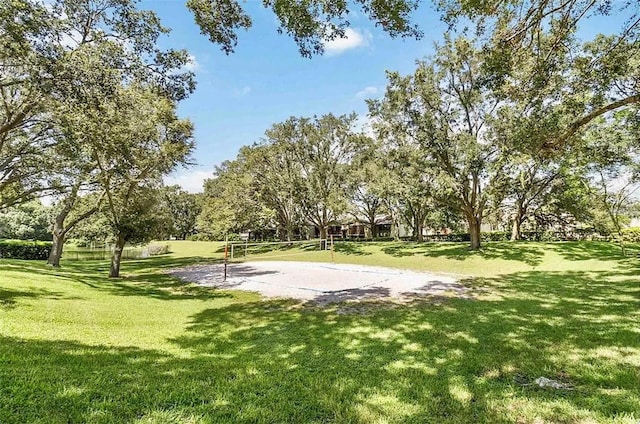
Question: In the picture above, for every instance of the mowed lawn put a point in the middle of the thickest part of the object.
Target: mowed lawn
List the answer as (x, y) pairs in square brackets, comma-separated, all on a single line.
[(78, 347)]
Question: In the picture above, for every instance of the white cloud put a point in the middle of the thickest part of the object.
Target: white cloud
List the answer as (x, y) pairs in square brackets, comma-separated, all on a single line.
[(367, 92), (192, 65), (193, 181), (352, 39), (242, 91)]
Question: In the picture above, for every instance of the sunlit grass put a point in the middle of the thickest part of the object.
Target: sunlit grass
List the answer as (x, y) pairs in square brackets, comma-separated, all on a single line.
[(78, 347)]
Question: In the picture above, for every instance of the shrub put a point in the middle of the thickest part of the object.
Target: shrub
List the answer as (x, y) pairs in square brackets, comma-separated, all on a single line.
[(157, 249), (22, 249), (495, 236), (631, 235), (200, 237)]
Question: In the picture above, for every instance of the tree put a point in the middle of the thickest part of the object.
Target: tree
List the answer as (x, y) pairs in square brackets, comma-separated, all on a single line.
[(323, 148), (184, 208), (366, 179), (76, 208), (275, 178), (59, 54), (76, 176), (444, 109), (531, 46), (516, 22), (135, 141), (611, 155), (230, 202)]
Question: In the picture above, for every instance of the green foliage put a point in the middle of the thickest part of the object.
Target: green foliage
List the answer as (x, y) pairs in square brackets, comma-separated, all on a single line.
[(183, 208), (275, 174), (59, 61), (93, 231), (437, 119), (22, 249), (230, 203), (322, 149), (200, 237), (309, 23), (27, 221)]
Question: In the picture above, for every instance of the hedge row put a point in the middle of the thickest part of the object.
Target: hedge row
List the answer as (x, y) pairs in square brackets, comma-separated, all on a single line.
[(21, 249)]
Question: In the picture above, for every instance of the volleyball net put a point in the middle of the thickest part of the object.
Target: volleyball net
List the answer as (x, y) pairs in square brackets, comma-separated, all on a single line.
[(242, 251)]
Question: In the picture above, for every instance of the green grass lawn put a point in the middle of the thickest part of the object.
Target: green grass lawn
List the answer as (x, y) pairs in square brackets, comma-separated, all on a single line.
[(77, 347)]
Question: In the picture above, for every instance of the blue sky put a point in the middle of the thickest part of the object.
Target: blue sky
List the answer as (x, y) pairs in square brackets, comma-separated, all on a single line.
[(266, 81)]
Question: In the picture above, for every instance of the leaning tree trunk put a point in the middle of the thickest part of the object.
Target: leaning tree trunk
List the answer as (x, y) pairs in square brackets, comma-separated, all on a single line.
[(116, 258), (56, 248), (58, 234)]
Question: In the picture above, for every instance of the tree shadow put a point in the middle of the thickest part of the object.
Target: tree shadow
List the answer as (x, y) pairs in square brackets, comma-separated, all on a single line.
[(137, 280), (582, 251), (351, 248), (279, 361), (357, 294), (9, 298), (531, 254)]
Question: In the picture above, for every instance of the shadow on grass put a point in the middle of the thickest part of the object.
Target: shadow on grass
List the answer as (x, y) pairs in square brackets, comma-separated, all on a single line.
[(582, 251), (351, 248), (531, 253), (276, 361), (140, 277), (9, 298)]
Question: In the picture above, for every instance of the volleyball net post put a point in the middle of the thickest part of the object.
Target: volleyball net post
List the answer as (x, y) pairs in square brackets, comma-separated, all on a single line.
[(226, 257)]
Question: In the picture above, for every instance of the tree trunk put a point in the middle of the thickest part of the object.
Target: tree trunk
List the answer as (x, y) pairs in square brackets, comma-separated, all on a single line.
[(474, 231), (56, 248), (323, 232), (59, 232), (395, 227), (515, 231), (621, 242), (116, 258), (418, 230), (289, 232), (517, 222)]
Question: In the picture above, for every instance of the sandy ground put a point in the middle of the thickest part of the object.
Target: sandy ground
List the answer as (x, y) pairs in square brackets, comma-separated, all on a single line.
[(322, 282)]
